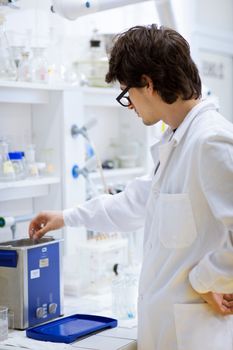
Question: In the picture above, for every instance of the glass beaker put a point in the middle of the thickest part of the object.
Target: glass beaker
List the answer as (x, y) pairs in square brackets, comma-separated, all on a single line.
[(8, 70)]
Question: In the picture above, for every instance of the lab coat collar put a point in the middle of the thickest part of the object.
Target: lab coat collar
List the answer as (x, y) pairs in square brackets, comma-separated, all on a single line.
[(200, 108), (162, 148)]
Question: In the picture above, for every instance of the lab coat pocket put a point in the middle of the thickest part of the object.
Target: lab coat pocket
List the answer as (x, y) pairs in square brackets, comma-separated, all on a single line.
[(176, 222), (199, 328)]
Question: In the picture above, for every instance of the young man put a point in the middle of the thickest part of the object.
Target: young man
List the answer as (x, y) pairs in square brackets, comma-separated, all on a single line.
[(185, 206)]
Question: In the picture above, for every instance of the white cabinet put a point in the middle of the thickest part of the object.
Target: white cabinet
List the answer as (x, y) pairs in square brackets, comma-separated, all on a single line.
[(43, 115)]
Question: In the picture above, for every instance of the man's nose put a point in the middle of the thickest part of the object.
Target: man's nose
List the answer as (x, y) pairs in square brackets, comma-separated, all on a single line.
[(131, 106)]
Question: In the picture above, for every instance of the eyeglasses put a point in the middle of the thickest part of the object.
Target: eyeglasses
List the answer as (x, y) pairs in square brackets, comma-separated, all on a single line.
[(124, 100)]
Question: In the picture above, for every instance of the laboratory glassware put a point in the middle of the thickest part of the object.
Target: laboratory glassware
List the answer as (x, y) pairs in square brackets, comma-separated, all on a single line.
[(7, 172), (3, 323), (32, 168), (18, 164), (25, 67), (8, 70), (124, 292), (93, 68), (39, 65)]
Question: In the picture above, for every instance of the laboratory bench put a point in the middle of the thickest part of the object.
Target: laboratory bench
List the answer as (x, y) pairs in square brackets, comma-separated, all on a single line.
[(123, 337)]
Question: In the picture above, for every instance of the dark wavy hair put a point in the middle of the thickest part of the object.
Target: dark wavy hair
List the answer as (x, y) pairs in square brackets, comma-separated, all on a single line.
[(160, 53)]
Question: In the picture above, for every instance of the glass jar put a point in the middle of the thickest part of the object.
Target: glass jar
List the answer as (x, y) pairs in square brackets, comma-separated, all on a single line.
[(8, 70), (39, 65), (25, 67), (18, 164), (31, 165), (93, 68), (7, 172)]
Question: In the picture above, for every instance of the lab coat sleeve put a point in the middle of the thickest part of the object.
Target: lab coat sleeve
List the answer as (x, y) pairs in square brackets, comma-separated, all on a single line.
[(121, 212), (215, 271)]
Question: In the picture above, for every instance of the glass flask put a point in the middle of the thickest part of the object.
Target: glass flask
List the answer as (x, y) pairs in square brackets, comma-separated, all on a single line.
[(39, 65), (7, 172), (25, 67), (8, 70)]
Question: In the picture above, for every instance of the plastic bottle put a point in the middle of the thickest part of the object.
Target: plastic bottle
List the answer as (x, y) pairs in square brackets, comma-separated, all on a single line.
[(8, 70), (7, 172)]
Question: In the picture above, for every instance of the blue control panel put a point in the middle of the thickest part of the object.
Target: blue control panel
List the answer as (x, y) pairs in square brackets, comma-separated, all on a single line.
[(43, 284)]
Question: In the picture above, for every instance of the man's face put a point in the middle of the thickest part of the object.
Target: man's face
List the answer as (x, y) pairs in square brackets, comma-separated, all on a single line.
[(145, 103)]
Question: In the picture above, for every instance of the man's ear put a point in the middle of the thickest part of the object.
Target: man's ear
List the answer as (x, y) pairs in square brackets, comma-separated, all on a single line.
[(147, 82)]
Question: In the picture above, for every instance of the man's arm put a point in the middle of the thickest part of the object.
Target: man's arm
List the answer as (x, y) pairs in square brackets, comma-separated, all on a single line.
[(123, 212), (212, 277)]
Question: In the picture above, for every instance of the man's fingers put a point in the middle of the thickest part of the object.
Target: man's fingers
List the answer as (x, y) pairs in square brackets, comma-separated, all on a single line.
[(228, 304), (40, 233), (228, 297)]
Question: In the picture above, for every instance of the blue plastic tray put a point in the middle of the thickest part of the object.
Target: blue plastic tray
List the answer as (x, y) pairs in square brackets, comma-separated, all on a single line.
[(71, 328)]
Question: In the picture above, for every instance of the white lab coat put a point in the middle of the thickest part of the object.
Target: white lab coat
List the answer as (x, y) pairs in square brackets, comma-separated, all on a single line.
[(186, 209)]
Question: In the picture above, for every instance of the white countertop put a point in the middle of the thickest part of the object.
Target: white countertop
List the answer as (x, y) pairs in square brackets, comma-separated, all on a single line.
[(122, 337)]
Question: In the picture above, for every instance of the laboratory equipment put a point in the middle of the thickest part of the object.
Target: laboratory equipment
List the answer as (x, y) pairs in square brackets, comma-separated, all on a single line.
[(31, 280), (25, 67), (75, 130), (71, 328), (125, 292), (39, 65), (9, 3), (95, 161), (90, 165), (7, 172), (11, 221), (32, 168), (93, 68), (3, 323), (8, 70), (98, 255), (72, 9), (18, 164)]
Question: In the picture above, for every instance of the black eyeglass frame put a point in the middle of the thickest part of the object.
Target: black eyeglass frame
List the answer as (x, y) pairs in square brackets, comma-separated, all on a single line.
[(122, 94)]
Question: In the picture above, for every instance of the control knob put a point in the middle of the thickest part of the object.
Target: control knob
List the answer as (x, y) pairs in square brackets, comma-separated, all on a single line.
[(52, 308)]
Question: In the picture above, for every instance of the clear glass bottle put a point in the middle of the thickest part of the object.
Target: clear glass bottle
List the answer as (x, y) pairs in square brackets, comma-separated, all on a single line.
[(7, 172), (93, 67), (18, 164), (8, 70), (124, 292), (25, 67), (39, 65), (32, 168)]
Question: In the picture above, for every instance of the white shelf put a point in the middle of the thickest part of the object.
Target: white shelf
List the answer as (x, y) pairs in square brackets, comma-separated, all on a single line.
[(27, 188), (34, 93)]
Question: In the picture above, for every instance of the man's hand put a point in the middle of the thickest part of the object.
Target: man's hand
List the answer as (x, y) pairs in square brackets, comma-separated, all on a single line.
[(220, 303), (45, 222)]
